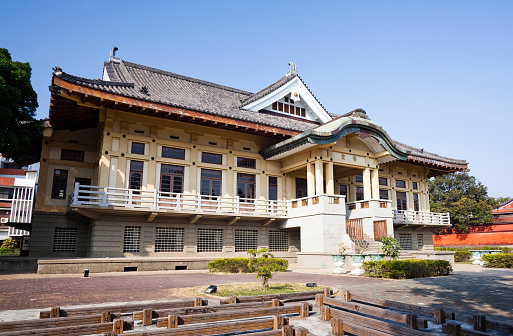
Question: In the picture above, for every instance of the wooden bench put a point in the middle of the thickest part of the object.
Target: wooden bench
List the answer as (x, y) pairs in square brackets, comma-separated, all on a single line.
[(173, 321), (207, 309), (285, 297), (482, 323), (117, 327), (124, 308), (55, 322)]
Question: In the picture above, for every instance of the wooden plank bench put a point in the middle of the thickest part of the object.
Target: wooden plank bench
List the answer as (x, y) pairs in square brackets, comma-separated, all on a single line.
[(124, 308), (409, 320), (285, 297), (439, 315), (173, 321), (454, 329), (117, 327), (55, 322), (371, 323), (276, 322), (207, 309), (482, 323)]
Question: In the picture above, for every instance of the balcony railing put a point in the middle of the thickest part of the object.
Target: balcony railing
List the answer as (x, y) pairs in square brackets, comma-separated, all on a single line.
[(421, 218), (85, 195)]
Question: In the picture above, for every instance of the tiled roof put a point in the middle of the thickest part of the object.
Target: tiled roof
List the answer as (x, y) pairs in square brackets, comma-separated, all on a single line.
[(153, 85)]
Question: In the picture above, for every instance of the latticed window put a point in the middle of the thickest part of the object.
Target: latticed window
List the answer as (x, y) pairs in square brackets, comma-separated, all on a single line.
[(173, 153), (405, 241), (400, 183), (420, 241), (278, 240), (137, 148), (65, 239), (383, 181), (358, 178), (246, 162), (245, 240), (132, 239), (383, 194), (210, 240), (211, 158), (169, 239)]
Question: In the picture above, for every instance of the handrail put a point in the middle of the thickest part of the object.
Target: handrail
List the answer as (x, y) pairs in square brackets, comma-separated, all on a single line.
[(422, 217)]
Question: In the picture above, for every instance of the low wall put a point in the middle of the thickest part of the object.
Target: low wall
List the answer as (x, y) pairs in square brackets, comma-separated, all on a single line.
[(473, 239), (17, 264), (433, 255)]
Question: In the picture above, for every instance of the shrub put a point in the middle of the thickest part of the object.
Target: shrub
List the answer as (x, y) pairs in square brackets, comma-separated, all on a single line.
[(391, 247), (247, 265), (406, 269), (501, 260), (462, 255), (9, 244)]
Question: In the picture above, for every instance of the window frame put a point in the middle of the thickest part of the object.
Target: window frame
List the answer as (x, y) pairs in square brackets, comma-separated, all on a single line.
[(180, 153), (213, 158), (72, 155), (137, 151), (243, 162), (58, 182)]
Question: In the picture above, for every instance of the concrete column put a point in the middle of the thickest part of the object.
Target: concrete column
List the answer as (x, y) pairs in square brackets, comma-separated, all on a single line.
[(330, 182), (288, 186), (375, 183), (367, 195), (310, 179), (319, 180)]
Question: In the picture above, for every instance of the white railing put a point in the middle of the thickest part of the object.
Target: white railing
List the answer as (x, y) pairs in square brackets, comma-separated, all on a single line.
[(421, 217), (20, 205), (84, 195)]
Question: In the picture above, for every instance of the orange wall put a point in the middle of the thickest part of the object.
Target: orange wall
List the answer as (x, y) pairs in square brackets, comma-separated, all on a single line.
[(469, 239)]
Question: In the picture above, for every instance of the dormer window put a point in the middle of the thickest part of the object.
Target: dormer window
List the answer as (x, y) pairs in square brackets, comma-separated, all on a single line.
[(290, 107)]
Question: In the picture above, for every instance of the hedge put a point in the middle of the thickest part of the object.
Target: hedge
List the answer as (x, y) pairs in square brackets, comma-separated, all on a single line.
[(462, 254), (406, 269), (501, 260), (247, 265)]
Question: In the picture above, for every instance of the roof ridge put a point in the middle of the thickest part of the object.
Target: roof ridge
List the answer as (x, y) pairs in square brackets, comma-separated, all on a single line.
[(422, 153), (190, 79), (255, 96), (65, 75)]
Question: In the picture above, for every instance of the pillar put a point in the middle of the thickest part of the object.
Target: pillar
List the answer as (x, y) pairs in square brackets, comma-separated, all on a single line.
[(367, 195), (330, 182), (319, 180), (310, 179), (375, 183)]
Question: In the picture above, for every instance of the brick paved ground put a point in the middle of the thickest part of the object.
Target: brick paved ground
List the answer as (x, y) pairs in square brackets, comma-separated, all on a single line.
[(465, 292)]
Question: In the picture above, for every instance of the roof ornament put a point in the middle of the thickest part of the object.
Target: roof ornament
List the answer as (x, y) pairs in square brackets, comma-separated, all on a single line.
[(113, 57), (57, 71), (293, 69)]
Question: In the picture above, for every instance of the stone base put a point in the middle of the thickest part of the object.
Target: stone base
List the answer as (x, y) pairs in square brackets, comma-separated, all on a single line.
[(315, 260), (17, 264), (100, 265)]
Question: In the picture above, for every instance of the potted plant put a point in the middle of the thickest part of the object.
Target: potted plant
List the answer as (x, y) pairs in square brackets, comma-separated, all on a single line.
[(340, 259), (358, 258)]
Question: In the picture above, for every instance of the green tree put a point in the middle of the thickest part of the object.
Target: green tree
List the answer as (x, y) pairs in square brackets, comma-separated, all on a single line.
[(463, 197), (18, 102), (391, 247)]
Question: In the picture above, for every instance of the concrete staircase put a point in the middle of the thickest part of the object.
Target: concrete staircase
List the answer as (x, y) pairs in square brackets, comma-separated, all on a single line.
[(369, 244)]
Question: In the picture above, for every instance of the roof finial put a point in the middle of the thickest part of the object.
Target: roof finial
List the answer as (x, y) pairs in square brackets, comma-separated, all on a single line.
[(293, 69), (113, 57)]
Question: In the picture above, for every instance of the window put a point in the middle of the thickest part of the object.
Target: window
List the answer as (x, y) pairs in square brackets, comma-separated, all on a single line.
[(60, 181), (211, 158), (359, 193), (171, 178), (64, 239), (210, 240), (343, 190), (173, 153), (383, 181), (415, 185), (246, 163), (289, 107), (136, 174), (6, 193), (137, 148), (246, 240), (358, 178), (132, 239), (405, 241), (383, 194), (420, 241), (72, 155), (211, 182), (402, 203), (400, 183), (169, 239), (416, 204), (301, 187), (273, 188), (246, 185), (278, 241)]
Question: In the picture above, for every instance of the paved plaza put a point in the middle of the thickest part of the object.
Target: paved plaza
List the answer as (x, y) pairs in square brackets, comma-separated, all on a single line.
[(469, 290)]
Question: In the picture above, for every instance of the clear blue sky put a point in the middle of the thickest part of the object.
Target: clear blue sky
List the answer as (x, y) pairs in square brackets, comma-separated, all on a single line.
[(435, 74)]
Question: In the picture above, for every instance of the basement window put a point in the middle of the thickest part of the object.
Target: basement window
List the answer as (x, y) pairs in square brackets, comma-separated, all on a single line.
[(65, 239), (279, 241), (132, 239), (169, 239), (210, 240), (246, 240)]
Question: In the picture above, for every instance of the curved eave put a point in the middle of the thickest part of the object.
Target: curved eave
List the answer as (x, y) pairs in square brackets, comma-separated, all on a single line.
[(99, 97), (324, 138), (437, 163)]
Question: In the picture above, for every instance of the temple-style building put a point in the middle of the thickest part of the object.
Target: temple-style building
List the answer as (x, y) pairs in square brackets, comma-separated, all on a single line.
[(148, 163)]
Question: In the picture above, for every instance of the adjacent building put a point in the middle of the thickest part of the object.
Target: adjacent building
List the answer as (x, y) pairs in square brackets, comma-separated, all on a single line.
[(149, 163)]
